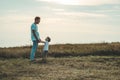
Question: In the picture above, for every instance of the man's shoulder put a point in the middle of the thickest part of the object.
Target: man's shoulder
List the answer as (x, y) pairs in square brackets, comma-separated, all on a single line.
[(33, 26)]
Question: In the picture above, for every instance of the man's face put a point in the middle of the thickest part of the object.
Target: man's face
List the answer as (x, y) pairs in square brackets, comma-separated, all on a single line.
[(37, 21)]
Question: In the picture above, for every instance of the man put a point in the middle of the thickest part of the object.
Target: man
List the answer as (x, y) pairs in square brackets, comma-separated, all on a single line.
[(35, 38)]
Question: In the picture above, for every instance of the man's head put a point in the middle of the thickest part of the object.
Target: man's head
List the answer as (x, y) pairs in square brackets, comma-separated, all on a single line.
[(48, 39), (37, 20)]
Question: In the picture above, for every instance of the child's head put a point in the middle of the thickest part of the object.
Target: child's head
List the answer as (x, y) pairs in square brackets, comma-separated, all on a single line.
[(47, 39)]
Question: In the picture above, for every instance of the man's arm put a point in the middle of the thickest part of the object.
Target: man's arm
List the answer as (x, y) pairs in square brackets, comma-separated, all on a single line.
[(33, 31), (38, 40)]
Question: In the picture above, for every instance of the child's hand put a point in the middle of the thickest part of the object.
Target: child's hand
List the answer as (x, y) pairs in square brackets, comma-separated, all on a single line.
[(42, 41)]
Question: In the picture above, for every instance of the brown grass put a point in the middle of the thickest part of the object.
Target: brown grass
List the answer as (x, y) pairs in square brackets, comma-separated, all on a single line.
[(71, 68), (64, 50), (65, 62)]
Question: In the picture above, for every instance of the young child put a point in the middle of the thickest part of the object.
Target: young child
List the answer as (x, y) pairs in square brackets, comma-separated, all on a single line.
[(45, 49)]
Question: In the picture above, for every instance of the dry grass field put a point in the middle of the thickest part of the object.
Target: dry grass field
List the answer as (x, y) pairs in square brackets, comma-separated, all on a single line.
[(65, 62)]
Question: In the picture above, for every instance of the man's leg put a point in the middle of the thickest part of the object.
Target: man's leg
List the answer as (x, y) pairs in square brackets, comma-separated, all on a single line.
[(33, 51)]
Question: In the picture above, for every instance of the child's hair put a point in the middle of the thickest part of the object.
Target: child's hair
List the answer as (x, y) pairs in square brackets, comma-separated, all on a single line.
[(48, 39)]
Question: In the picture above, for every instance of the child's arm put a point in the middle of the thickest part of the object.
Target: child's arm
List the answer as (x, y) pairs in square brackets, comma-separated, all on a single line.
[(41, 41)]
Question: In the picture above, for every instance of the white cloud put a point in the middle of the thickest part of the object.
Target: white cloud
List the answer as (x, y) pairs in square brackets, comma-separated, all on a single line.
[(50, 20), (58, 10), (8, 18), (83, 2), (81, 14)]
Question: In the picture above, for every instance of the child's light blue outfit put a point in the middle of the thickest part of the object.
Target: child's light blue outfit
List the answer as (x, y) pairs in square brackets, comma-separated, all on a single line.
[(45, 49), (35, 43), (46, 46)]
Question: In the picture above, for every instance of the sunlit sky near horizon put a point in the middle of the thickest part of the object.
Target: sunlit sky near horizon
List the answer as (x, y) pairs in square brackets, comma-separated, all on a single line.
[(65, 21)]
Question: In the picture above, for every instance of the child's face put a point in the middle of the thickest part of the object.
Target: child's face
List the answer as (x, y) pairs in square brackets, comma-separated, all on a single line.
[(46, 39)]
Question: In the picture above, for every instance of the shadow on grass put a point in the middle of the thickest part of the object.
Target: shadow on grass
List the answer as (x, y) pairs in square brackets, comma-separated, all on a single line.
[(97, 53)]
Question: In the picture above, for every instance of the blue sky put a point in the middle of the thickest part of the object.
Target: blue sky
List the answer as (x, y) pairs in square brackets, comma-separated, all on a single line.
[(65, 21)]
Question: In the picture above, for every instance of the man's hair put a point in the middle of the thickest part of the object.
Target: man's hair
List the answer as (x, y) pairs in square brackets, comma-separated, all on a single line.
[(37, 17), (48, 39)]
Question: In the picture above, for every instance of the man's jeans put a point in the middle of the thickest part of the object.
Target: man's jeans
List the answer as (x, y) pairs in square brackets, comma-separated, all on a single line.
[(34, 49)]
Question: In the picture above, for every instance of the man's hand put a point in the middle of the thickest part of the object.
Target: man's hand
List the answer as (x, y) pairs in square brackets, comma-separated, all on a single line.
[(42, 41)]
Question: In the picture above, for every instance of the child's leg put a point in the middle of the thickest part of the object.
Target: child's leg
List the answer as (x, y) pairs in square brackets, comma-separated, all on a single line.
[(43, 55), (46, 55)]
